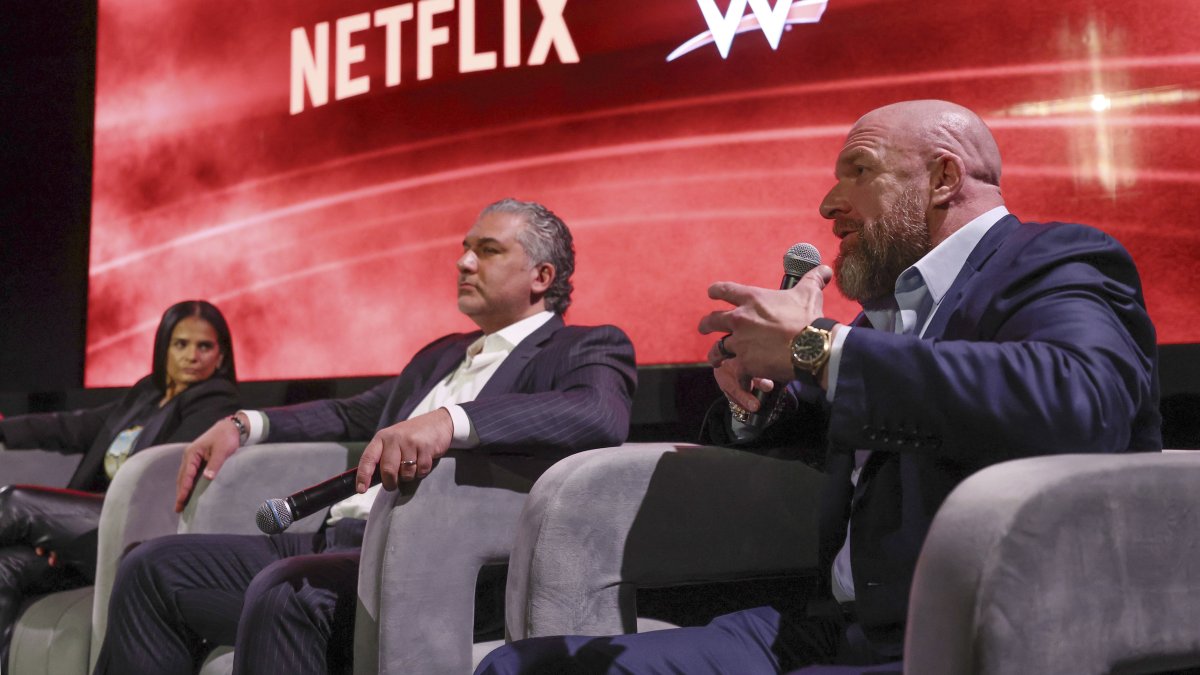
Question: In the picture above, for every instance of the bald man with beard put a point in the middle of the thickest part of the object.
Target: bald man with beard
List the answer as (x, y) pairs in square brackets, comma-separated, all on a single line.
[(982, 339)]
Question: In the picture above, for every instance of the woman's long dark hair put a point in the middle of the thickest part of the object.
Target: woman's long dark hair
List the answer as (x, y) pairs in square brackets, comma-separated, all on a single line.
[(178, 312)]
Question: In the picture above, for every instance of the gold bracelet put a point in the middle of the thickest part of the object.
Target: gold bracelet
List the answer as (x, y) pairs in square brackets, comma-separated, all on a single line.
[(739, 413)]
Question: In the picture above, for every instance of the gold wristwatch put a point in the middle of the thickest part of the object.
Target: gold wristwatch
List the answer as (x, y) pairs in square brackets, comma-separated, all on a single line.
[(811, 347)]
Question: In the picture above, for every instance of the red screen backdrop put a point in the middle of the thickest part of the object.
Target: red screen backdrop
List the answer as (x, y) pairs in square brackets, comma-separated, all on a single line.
[(311, 167)]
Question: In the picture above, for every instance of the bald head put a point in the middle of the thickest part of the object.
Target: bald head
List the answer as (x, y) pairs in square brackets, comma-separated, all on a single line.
[(932, 128), (909, 176)]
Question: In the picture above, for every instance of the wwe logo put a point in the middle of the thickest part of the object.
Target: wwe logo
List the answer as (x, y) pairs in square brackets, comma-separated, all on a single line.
[(771, 20)]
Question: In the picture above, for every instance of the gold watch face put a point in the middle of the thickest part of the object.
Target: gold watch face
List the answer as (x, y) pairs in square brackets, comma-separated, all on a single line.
[(808, 349)]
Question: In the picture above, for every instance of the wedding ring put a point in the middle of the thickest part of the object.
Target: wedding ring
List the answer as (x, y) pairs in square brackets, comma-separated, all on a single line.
[(721, 347), (408, 462)]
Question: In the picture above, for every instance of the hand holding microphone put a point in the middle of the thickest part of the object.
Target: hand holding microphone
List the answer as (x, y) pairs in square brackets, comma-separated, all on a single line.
[(277, 515), (797, 262), (762, 323), (401, 452)]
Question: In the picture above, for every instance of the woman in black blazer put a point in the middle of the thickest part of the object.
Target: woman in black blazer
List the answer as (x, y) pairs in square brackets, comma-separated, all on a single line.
[(192, 386)]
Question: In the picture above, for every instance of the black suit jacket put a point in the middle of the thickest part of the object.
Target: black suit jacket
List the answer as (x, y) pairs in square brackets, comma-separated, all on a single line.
[(563, 389), (91, 431), (1041, 345)]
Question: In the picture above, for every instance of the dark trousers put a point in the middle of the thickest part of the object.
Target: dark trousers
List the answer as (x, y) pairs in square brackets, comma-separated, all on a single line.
[(286, 603), (752, 642), (63, 521)]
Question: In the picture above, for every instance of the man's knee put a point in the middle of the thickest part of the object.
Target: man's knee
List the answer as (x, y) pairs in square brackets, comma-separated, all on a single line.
[(558, 655), (145, 563), (273, 591), (310, 590)]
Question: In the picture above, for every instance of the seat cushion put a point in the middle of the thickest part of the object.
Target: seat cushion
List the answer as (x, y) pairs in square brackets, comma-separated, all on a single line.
[(53, 635)]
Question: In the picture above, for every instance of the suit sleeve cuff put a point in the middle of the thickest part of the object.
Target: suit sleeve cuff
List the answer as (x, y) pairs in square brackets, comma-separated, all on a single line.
[(835, 360), (259, 426), (464, 431)]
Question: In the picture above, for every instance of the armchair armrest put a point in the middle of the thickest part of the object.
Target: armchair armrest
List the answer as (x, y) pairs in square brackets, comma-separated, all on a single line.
[(139, 505), (257, 473), (425, 544), (37, 467), (601, 523), (1067, 563), (140, 502)]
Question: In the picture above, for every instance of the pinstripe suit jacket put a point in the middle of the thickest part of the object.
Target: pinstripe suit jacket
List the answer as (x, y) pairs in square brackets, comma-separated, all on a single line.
[(563, 389)]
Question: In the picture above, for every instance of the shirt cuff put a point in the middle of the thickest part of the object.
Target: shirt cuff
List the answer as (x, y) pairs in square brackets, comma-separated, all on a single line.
[(259, 426), (835, 360), (464, 431)]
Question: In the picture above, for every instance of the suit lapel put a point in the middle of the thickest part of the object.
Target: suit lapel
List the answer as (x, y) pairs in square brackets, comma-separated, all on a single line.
[(504, 379), (987, 246), (445, 362), (975, 262), (153, 428)]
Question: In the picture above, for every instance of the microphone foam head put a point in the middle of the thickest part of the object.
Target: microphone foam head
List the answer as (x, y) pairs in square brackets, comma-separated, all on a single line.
[(273, 516), (801, 258)]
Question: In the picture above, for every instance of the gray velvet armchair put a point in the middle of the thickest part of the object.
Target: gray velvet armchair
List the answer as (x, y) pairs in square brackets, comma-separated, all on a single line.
[(602, 523), (1063, 564), (70, 615), (36, 467), (1070, 563), (60, 633), (425, 545)]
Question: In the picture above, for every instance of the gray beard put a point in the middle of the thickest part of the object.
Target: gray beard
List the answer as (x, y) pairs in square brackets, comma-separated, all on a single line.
[(886, 247)]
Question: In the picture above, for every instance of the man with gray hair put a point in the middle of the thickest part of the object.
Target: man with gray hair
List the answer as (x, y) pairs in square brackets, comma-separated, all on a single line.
[(524, 382)]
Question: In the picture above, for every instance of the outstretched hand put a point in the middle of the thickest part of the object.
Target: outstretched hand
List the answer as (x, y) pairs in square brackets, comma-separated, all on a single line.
[(406, 450), (210, 450), (761, 325), (738, 386)]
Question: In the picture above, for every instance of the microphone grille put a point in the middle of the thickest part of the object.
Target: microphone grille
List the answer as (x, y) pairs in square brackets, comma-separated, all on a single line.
[(801, 258), (273, 516)]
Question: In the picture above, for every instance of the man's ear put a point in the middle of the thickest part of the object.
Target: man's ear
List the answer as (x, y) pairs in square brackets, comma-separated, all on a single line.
[(946, 179), (543, 276)]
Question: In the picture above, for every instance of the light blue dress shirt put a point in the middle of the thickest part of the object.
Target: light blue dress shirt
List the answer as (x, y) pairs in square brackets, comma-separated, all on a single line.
[(919, 292)]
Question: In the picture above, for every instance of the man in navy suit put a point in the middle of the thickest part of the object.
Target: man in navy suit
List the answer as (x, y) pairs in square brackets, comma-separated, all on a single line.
[(982, 339), (523, 383)]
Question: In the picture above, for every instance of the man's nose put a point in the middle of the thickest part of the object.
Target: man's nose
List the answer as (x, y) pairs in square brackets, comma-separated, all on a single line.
[(466, 262), (834, 204)]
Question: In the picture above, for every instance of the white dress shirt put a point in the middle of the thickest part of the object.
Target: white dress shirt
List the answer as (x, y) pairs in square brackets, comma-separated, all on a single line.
[(462, 385)]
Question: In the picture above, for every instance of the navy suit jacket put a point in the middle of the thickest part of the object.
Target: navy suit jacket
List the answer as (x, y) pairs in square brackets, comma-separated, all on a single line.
[(1042, 345), (563, 389)]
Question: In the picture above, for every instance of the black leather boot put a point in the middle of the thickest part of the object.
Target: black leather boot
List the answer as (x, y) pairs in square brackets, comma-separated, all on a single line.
[(62, 521)]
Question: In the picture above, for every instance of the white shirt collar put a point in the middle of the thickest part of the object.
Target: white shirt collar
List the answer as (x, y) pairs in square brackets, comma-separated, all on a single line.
[(940, 267), (510, 336)]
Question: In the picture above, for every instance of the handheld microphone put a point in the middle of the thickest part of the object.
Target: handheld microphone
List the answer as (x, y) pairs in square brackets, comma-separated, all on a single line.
[(798, 260), (277, 515)]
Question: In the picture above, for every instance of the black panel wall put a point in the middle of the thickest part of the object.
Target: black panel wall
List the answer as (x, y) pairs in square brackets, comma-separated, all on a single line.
[(47, 92)]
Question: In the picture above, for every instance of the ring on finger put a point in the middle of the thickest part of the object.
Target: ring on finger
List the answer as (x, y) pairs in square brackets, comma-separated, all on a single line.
[(725, 353), (408, 462)]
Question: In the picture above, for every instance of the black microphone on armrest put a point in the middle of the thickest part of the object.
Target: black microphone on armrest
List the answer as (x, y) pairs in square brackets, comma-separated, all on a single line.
[(277, 515), (797, 262)]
